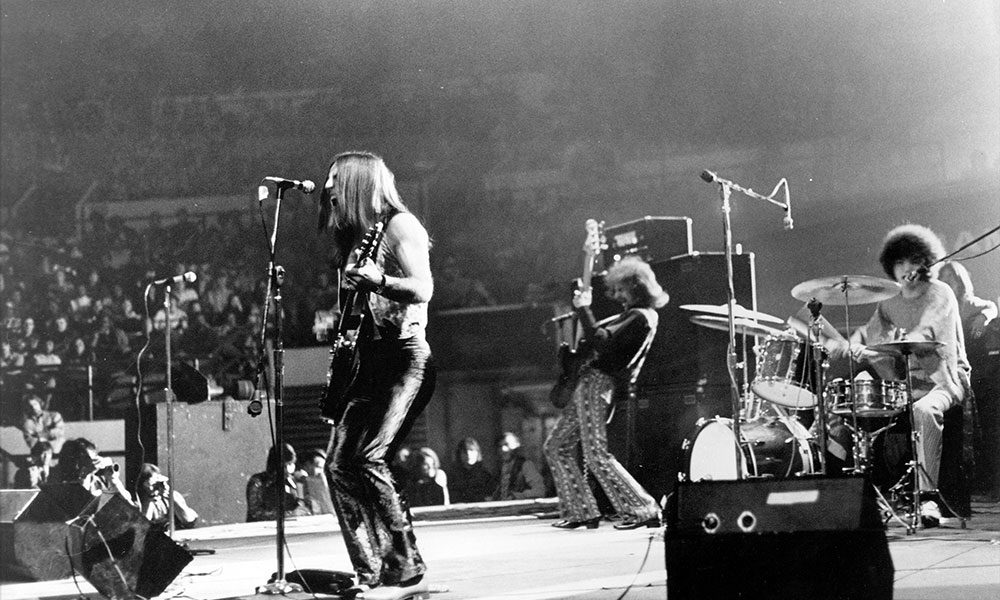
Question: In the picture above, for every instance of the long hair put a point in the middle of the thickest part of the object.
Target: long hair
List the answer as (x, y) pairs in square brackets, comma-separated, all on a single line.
[(639, 277), (910, 242), (364, 191), (74, 460), (287, 455), (957, 277), (461, 451)]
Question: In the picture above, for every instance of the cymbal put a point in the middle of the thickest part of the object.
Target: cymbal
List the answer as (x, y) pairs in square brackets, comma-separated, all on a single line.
[(855, 289), (742, 326), (738, 312), (904, 347)]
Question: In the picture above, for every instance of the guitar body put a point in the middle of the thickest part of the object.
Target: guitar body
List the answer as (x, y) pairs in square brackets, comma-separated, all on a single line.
[(344, 360), (571, 363), (344, 366)]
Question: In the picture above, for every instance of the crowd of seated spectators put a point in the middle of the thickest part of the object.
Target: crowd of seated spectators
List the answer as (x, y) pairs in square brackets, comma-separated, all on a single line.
[(73, 304)]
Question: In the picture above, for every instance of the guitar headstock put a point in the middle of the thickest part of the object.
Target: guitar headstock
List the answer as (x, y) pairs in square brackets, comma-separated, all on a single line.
[(595, 241)]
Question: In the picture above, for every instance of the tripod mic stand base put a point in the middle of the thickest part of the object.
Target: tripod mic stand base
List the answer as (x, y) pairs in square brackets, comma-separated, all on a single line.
[(279, 588), (198, 551)]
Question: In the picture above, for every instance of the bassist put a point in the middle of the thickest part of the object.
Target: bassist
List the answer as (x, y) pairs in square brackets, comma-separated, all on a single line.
[(618, 348), (395, 375)]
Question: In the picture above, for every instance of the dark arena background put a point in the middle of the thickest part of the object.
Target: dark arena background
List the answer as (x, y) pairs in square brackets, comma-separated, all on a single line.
[(134, 137)]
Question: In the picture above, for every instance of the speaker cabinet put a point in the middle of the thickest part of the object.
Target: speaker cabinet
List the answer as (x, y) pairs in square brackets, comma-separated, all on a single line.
[(684, 353), (104, 538), (684, 377), (777, 538)]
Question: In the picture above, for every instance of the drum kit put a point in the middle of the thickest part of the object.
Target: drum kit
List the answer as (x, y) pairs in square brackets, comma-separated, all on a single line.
[(789, 381)]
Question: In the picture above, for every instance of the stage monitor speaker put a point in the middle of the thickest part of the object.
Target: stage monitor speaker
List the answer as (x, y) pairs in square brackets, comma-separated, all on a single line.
[(777, 538), (104, 538)]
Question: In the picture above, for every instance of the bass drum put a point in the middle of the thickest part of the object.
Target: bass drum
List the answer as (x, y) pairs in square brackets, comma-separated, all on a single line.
[(773, 447)]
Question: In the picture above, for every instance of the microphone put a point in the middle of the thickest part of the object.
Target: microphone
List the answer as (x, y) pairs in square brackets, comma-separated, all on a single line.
[(305, 186), (188, 277), (914, 275), (787, 220), (710, 177)]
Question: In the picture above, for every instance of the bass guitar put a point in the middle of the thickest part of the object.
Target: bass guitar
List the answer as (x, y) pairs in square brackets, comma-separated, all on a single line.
[(344, 360), (572, 360)]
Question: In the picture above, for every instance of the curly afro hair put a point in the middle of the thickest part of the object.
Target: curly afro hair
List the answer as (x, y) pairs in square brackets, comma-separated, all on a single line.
[(910, 242)]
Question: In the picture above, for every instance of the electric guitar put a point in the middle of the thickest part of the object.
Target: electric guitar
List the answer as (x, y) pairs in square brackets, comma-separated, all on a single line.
[(344, 360), (572, 360)]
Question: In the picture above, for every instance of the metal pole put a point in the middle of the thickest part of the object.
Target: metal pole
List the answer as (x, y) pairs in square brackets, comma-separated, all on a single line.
[(168, 390)]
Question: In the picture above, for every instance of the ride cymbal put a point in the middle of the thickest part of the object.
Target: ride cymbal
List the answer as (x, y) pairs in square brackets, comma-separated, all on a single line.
[(846, 289), (742, 326)]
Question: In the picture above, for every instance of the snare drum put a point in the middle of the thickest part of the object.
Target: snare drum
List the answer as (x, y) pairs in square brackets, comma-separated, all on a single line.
[(773, 448), (870, 398), (781, 376)]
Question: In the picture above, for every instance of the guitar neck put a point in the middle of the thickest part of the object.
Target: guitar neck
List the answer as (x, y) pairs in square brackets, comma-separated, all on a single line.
[(588, 272)]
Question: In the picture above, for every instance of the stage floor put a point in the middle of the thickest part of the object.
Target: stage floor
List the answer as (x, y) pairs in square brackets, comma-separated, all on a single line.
[(521, 557)]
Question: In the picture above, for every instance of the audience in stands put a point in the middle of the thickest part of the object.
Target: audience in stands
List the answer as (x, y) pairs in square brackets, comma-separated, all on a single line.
[(428, 483), (470, 481), (311, 479), (37, 467), (262, 488), (519, 477), (41, 425)]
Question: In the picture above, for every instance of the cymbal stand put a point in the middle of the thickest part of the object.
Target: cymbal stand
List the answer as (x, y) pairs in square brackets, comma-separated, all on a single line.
[(751, 406), (819, 364), (914, 467)]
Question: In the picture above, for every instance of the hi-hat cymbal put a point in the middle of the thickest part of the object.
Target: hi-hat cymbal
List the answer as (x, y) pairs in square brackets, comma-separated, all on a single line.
[(742, 326), (846, 289), (904, 347), (738, 312)]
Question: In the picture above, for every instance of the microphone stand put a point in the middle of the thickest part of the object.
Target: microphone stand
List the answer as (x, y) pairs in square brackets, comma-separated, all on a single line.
[(169, 394), (725, 191), (276, 275)]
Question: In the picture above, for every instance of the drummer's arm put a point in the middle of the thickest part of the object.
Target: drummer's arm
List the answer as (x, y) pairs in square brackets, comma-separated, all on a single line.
[(831, 339)]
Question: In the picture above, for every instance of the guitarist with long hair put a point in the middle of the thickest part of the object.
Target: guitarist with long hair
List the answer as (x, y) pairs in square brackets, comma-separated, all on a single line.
[(617, 347), (387, 379)]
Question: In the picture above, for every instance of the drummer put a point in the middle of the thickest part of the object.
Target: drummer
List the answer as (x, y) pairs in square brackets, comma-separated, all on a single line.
[(924, 310)]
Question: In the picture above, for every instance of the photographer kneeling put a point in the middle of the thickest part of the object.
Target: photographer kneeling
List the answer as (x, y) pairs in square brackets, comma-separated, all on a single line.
[(153, 489)]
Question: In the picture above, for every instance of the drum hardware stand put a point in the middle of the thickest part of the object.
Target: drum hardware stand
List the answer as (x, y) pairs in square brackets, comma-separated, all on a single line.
[(914, 467), (725, 191), (863, 441), (820, 365)]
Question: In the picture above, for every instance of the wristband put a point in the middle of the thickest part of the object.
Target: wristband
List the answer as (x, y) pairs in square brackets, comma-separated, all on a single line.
[(380, 287)]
